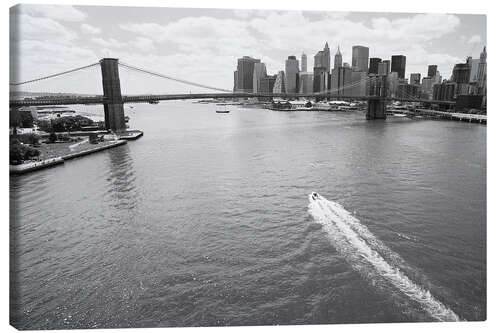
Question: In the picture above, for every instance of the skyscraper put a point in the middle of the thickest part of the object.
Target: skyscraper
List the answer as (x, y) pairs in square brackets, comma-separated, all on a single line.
[(359, 81), (244, 74), (481, 73), (384, 67), (291, 74), (341, 81), (415, 78), (461, 73), (306, 80), (266, 84), (259, 71), (360, 55), (279, 84), (303, 63), (338, 59), (474, 66), (398, 65), (431, 70), (321, 70), (374, 63)]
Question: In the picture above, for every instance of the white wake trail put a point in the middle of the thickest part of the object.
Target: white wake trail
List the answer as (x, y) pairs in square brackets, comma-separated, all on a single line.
[(354, 241)]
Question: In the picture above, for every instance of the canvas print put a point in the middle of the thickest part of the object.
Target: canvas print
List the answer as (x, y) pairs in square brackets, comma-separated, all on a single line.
[(216, 167)]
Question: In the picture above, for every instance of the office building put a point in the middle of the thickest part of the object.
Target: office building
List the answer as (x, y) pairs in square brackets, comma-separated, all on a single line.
[(359, 83), (481, 73), (279, 84), (303, 63), (398, 65), (244, 74), (392, 83), (266, 84), (474, 66), (291, 75), (415, 78), (374, 63), (321, 70), (306, 80), (259, 71), (431, 70), (384, 67), (444, 91), (338, 59), (360, 55), (341, 81), (408, 91)]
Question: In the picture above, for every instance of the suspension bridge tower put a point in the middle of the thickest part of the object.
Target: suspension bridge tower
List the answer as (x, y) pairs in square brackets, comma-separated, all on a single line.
[(114, 115), (376, 108)]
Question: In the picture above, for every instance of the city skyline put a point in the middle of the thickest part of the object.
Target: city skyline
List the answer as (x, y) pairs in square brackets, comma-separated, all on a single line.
[(203, 44)]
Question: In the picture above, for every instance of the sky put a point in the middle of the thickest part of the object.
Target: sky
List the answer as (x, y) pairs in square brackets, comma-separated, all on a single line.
[(203, 45)]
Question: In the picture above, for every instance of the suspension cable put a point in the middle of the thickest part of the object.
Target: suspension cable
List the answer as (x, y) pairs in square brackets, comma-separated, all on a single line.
[(53, 75), (172, 78)]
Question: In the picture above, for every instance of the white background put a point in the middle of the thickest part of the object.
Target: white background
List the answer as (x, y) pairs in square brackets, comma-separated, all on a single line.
[(429, 6)]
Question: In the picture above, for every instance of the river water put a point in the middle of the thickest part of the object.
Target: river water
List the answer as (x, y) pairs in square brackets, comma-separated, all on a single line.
[(207, 220)]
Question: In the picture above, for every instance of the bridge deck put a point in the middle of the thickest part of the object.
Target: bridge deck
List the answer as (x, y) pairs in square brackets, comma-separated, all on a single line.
[(148, 98)]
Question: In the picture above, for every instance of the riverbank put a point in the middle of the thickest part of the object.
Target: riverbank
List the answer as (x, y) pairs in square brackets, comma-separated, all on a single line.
[(56, 153)]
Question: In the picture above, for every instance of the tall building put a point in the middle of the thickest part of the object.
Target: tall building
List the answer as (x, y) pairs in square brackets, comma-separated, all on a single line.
[(398, 65), (445, 91), (259, 71), (474, 66), (360, 55), (427, 84), (291, 75), (341, 81), (392, 83), (415, 78), (279, 83), (321, 70), (306, 80), (481, 73), (374, 63), (337, 62), (266, 85), (303, 63), (384, 67), (461, 73), (244, 74), (410, 91), (359, 83), (431, 70)]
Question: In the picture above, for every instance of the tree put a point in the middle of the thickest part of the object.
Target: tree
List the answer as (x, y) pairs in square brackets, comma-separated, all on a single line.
[(19, 152)]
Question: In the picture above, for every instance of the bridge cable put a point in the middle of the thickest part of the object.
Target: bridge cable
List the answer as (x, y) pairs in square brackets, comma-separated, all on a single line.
[(172, 78), (54, 75)]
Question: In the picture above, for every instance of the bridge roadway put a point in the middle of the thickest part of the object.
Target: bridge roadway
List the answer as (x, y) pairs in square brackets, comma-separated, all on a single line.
[(72, 100)]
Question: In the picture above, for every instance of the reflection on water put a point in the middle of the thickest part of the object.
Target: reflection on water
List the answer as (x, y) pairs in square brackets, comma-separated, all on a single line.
[(203, 221), (120, 174)]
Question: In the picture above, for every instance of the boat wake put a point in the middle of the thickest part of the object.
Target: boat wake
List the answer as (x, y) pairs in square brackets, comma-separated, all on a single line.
[(370, 257)]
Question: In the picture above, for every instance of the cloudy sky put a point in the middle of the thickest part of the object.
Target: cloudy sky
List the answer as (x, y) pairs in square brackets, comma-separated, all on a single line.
[(203, 45)]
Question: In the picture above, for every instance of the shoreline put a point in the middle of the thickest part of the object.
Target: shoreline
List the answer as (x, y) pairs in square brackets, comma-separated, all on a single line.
[(58, 160)]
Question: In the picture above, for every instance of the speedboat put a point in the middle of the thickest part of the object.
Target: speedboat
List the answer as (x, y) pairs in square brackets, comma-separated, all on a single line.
[(314, 196)]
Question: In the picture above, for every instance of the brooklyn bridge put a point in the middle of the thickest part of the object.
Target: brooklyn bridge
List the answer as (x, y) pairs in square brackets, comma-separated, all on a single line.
[(113, 100)]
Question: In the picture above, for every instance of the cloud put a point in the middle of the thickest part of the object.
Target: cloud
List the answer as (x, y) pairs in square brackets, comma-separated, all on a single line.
[(474, 39), (89, 29), (39, 28), (111, 42), (206, 34), (56, 12), (142, 44)]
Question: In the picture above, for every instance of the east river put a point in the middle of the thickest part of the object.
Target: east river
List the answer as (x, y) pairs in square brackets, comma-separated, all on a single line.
[(206, 220)]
